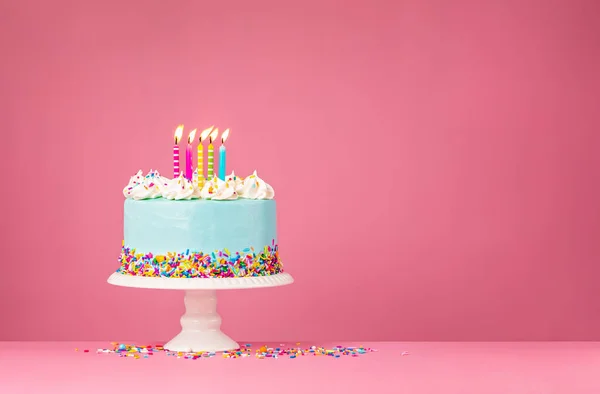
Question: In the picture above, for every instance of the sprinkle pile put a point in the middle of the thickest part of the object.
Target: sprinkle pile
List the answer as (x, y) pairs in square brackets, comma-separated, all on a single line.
[(192, 264), (137, 352)]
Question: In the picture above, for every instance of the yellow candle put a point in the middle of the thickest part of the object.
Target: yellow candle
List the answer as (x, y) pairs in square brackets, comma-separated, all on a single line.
[(203, 136), (211, 154)]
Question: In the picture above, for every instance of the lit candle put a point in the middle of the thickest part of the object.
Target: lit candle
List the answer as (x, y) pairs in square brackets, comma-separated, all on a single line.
[(203, 136), (223, 155), (211, 154), (178, 133), (188, 155)]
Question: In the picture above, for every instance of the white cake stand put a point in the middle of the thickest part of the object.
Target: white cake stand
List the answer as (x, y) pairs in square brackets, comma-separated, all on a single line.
[(200, 324)]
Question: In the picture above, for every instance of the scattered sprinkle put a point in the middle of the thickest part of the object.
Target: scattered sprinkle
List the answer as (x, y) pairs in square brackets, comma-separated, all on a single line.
[(262, 352)]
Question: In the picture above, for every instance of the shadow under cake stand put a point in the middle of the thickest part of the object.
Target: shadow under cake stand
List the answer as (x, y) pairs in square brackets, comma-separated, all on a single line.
[(200, 324)]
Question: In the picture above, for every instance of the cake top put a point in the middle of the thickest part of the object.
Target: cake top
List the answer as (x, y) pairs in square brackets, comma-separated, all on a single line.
[(193, 184), (154, 185)]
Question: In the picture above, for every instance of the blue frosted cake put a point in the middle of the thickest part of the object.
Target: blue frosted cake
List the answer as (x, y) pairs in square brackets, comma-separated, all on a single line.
[(191, 228)]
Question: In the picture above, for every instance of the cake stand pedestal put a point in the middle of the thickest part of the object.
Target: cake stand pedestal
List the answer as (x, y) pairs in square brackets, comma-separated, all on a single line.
[(200, 324)]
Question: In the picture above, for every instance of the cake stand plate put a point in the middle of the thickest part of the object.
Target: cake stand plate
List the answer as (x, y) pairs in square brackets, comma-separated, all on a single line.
[(200, 284), (200, 324)]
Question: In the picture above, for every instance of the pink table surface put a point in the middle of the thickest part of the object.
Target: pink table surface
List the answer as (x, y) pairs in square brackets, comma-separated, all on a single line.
[(441, 368)]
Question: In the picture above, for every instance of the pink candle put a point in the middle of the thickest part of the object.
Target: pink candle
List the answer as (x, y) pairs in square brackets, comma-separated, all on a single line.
[(178, 133), (188, 156)]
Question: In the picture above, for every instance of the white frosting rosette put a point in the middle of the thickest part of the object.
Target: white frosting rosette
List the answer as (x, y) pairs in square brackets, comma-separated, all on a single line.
[(235, 180), (179, 189), (133, 182), (216, 189), (254, 188), (144, 187)]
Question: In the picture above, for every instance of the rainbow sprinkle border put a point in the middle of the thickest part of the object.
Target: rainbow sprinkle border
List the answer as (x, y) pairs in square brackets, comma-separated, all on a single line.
[(219, 264)]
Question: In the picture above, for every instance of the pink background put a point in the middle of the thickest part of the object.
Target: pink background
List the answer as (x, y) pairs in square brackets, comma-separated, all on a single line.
[(435, 162)]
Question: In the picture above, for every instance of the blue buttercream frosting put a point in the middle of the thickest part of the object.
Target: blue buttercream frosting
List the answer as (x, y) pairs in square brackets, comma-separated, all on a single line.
[(160, 226)]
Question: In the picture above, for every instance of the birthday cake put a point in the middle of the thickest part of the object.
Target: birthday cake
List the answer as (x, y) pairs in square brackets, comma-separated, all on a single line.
[(221, 226)]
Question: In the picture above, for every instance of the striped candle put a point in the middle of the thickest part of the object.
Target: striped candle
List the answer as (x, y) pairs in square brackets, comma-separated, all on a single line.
[(200, 168), (203, 136), (178, 133), (211, 154)]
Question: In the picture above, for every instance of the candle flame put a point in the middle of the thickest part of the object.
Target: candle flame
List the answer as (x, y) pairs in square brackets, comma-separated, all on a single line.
[(178, 133), (213, 135), (205, 133), (224, 136), (191, 136)]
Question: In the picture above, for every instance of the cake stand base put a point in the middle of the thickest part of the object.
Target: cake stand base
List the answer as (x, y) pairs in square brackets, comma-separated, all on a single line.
[(201, 325)]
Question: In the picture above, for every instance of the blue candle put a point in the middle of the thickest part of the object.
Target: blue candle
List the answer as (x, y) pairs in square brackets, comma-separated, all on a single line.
[(223, 156)]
